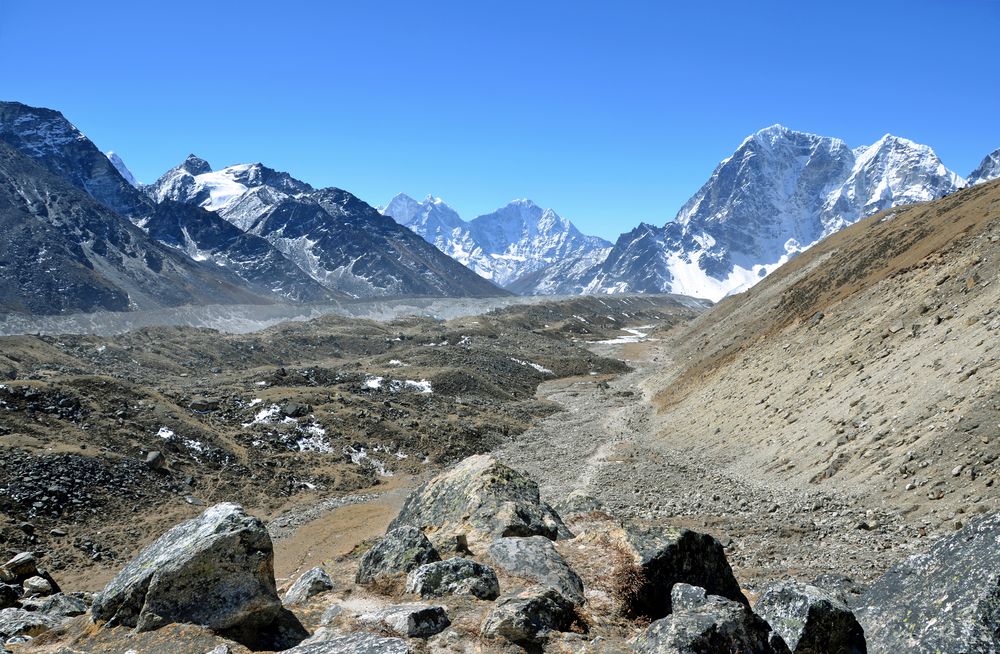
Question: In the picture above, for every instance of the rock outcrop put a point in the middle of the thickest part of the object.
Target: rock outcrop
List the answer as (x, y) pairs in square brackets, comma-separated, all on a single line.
[(945, 600), (811, 620), (216, 570), (402, 549), (481, 499)]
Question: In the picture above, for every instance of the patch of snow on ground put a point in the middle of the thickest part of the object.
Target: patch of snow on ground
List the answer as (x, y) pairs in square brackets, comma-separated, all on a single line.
[(540, 368), (264, 416), (635, 335), (165, 433), (373, 383), (397, 363), (360, 457)]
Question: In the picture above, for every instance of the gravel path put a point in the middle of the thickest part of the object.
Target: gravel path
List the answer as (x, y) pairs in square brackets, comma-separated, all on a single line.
[(610, 444)]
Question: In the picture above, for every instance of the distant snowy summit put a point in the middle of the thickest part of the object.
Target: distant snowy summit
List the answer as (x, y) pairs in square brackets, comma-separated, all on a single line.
[(122, 169), (504, 246), (778, 194), (988, 170)]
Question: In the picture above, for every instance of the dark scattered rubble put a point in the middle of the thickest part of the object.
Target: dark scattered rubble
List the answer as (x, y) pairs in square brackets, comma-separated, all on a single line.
[(537, 603)]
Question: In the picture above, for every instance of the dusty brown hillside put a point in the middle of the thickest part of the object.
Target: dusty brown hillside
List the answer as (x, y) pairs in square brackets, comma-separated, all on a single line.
[(868, 363)]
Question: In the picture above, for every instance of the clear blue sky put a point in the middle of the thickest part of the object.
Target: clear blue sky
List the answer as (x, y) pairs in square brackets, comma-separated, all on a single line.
[(610, 113)]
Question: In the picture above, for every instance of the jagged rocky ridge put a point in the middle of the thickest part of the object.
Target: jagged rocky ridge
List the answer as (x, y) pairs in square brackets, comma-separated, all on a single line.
[(339, 241), (236, 259), (779, 193), (676, 581), (327, 245), (514, 241)]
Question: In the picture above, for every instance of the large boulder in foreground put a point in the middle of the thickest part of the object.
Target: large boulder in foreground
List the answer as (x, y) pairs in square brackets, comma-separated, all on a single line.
[(811, 620), (400, 550), (536, 559), (708, 624), (216, 570), (664, 556), (946, 600), (480, 499)]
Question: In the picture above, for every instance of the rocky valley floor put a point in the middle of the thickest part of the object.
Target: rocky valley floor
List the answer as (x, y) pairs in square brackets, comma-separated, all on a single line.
[(823, 427)]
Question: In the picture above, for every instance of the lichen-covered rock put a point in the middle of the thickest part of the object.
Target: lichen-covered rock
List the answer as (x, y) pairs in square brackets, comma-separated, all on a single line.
[(666, 556), (312, 582), (481, 499), (536, 559), (714, 625), (456, 576), (410, 620), (216, 570), (685, 596), (529, 616), (946, 600), (402, 549), (19, 623), (811, 620), (57, 605), (356, 643)]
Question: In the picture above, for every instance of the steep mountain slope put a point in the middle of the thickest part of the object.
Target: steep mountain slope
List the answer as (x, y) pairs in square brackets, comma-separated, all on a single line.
[(513, 241), (62, 251), (52, 141), (339, 241), (987, 170), (867, 363), (47, 137), (779, 193)]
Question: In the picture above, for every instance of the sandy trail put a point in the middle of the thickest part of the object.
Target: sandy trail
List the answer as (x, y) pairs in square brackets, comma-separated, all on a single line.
[(611, 444)]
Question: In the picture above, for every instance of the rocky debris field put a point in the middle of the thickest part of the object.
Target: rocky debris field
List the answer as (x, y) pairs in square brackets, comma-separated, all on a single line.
[(477, 562), (107, 441)]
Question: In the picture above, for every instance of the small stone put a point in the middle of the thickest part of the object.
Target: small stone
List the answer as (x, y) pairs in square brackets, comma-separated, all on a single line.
[(155, 460), (36, 586), (311, 583)]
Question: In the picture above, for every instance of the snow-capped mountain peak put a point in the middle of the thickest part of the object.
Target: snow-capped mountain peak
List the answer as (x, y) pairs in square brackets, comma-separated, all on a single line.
[(987, 170), (120, 166), (777, 194), (513, 241)]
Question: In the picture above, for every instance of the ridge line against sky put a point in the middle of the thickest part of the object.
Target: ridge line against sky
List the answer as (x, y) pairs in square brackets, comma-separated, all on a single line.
[(608, 115)]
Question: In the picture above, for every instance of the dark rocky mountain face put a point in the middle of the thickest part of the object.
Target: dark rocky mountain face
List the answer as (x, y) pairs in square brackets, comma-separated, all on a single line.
[(54, 143), (346, 244), (62, 251), (204, 236), (47, 137)]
